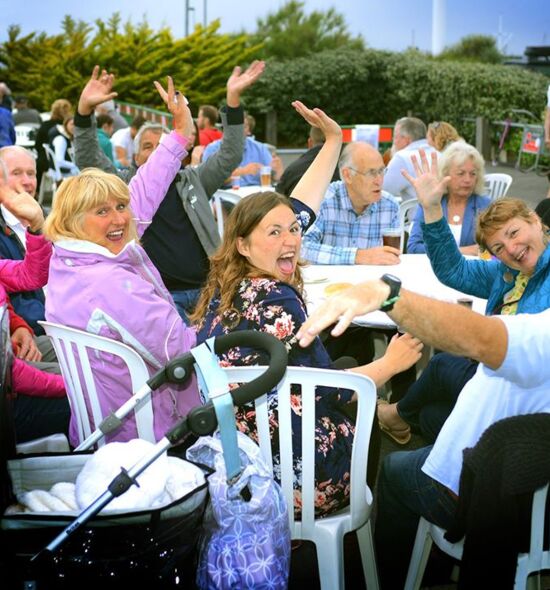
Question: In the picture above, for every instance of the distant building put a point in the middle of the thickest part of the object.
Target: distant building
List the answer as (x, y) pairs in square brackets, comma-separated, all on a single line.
[(536, 59)]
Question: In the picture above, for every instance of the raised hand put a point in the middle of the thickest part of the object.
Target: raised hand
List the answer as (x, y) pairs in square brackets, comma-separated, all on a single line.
[(318, 118), (429, 188), (97, 90), (177, 105), (240, 81), (22, 205)]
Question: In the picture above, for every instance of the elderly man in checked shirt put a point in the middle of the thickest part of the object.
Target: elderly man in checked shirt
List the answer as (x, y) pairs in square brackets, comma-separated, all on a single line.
[(348, 229)]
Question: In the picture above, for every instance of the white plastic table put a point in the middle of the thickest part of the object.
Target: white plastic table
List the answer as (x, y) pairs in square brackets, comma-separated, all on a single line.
[(414, 271)]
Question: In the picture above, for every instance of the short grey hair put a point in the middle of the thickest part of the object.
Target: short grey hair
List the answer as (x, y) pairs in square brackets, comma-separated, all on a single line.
[(412, 128), (347, 157), (156, 127), (10, 149), (457, 153)]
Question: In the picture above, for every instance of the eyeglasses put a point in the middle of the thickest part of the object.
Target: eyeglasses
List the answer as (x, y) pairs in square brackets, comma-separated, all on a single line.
[(435, 125), (371, 172)]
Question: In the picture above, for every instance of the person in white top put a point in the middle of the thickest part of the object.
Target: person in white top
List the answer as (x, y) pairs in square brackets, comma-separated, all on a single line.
[(409, 135), (512, 379), (123, 142)]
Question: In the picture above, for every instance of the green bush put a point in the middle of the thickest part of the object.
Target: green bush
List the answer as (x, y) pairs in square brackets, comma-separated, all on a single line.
[(379, 87)]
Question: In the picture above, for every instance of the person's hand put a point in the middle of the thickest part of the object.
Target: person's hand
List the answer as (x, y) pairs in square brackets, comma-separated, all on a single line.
[(239, 81), (22, 205), (97, 90), (24, 346), (277, 167), (381, 255), (196, 155), (177, 105), (318, 118), (250, 168), (403, 352), (342, 308), (429, 189)]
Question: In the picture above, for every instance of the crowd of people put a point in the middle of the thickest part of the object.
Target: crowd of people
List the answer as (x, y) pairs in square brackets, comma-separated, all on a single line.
[(131, 251)]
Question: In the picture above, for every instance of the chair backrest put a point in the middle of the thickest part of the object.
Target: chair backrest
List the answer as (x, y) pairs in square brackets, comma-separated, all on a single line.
[(497, 185), (52, 162), (25, 134), (73, 347), (406, 214), (309, 379), (221, 196)]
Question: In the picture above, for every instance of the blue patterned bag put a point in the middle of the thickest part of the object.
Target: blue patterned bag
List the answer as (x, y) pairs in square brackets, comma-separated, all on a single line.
[(246, 543)]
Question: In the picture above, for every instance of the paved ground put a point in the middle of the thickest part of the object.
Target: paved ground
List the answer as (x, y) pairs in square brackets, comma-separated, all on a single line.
[(526, 185)]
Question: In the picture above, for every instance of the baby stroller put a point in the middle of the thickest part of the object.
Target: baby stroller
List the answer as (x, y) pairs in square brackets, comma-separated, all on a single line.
[(155, 547)]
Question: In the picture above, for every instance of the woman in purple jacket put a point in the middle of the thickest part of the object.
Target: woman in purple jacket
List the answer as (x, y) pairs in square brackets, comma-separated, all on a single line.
[(102, 281)]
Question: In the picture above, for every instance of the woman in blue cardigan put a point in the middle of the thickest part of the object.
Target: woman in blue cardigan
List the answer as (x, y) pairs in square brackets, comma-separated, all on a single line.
[(516, 280), (463, 165)]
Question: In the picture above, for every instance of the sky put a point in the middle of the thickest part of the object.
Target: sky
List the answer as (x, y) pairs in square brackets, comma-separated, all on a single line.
[(386, 24)]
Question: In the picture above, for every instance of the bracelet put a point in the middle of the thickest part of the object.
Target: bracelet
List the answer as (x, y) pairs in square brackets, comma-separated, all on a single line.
[(38, 232)]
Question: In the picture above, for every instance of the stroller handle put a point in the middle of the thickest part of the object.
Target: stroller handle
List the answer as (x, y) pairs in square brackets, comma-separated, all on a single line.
[(202, 419)]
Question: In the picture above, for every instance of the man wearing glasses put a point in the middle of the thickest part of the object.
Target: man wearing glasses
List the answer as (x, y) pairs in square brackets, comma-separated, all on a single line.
[(355, 211), (409, 135)]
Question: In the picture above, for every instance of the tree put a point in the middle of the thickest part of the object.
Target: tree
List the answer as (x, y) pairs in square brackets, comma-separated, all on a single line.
[(290, 33), (480, 48)]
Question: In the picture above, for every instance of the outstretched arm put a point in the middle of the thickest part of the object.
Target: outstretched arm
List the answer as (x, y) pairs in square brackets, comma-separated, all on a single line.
[(449, 327), (313, 185)]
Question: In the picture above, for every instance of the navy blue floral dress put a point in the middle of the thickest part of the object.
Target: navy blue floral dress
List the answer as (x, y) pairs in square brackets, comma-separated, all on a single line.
[(271, 306)]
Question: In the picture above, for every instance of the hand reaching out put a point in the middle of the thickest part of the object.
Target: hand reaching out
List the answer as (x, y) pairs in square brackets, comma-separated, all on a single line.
[(177, 105), (403, 351), (97, 90), (317, 118)]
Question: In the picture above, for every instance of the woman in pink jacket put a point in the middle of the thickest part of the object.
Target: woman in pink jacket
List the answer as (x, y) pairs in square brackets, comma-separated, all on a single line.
[(39, 400)]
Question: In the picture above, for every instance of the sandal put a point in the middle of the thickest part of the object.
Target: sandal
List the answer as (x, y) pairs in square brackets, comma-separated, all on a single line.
[(400, 435)]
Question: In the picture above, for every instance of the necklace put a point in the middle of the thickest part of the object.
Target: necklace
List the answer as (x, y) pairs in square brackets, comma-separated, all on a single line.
[(456, 218)]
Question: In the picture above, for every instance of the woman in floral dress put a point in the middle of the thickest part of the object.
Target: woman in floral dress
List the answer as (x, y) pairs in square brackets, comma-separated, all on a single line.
[(255, 284)]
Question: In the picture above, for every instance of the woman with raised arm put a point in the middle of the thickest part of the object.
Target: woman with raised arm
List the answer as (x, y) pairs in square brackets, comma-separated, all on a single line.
[(255, 283)]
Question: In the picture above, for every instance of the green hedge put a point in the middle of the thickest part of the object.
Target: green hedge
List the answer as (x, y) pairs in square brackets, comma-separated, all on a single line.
[(379, 87)]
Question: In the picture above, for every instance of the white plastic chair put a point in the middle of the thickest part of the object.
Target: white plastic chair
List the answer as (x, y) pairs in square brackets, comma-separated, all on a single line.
[(497, 185), (406, 214), (24, 134), (535, 561), (219, 197), (328, 532), (73, 348)]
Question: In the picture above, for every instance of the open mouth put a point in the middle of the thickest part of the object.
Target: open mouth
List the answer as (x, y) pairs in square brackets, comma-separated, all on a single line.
[(115, 236), (286, 263)]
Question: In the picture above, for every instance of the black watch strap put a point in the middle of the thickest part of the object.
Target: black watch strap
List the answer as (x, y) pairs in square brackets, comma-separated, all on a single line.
[(394, 284)]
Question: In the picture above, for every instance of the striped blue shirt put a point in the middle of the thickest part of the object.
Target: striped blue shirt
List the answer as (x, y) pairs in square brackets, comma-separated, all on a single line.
[(339, 231)]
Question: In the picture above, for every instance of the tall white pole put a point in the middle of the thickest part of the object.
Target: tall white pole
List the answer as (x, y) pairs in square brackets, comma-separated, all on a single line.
[(438, 26)]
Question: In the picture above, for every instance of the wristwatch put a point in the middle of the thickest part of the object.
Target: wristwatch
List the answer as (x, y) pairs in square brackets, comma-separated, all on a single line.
[(395, 286)]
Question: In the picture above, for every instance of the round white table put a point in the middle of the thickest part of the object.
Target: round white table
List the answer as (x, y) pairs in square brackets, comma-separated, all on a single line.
[(414, 271)]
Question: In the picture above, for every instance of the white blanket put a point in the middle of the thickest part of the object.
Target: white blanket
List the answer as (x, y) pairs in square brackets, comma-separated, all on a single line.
[(167, 479)]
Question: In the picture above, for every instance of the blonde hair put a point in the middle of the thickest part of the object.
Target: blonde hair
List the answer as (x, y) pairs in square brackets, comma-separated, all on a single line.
[(61, 109), (497, 214), (457, 153), (79, 194), (442, 134), (228, 267)]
